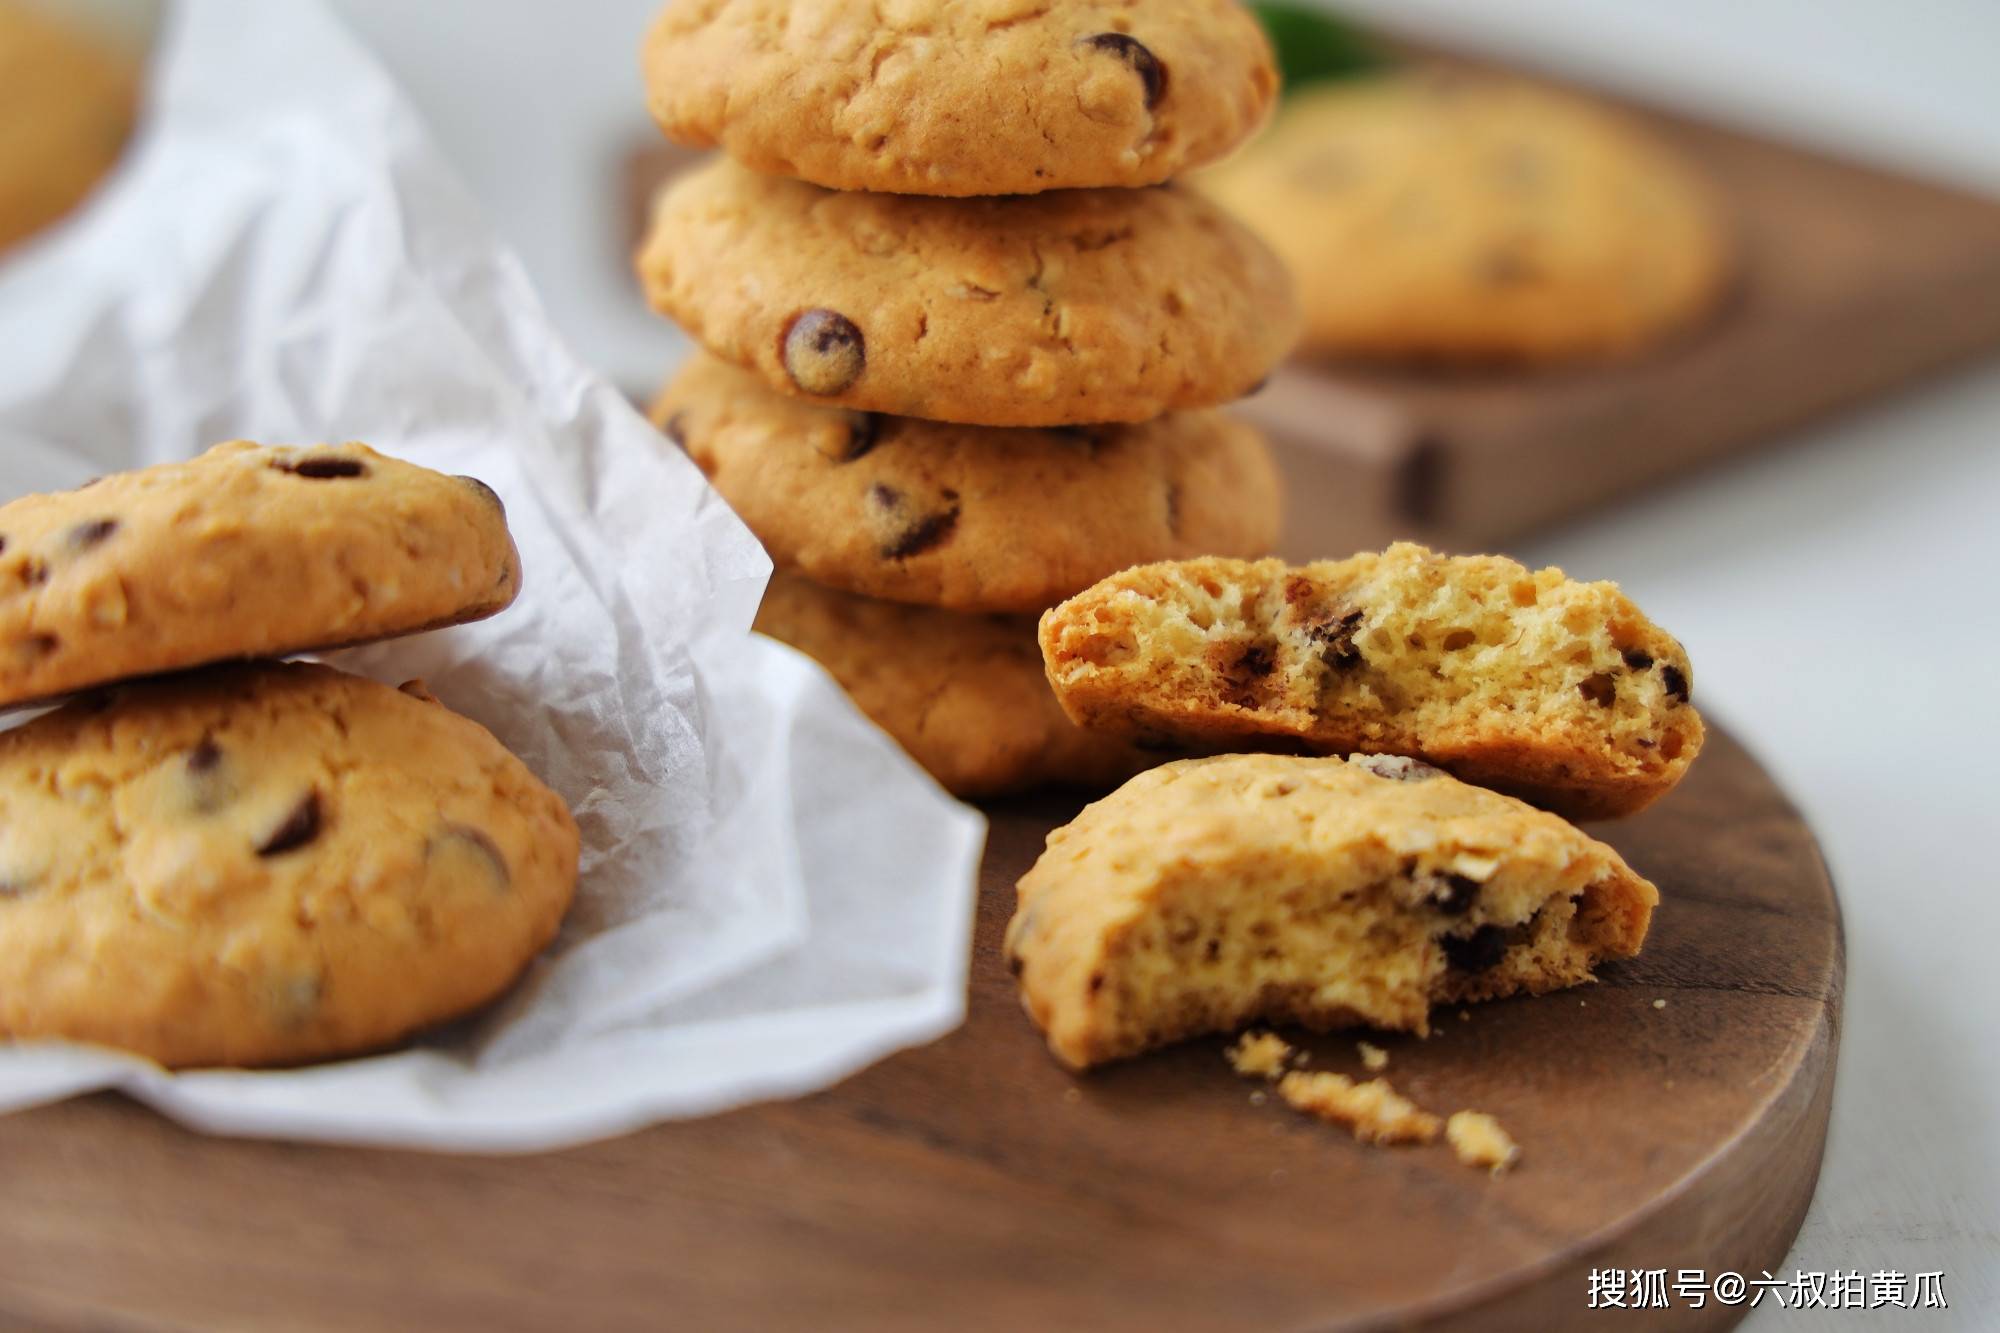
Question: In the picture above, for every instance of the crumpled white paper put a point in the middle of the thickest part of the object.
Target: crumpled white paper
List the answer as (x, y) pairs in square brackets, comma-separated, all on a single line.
[(773, 896)]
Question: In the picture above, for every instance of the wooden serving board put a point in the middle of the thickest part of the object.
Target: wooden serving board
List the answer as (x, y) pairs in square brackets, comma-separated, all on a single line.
[(974, 1184), (1852, 283)]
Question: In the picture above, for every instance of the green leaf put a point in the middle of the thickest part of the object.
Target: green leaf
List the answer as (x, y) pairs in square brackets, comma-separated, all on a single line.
[(1313, 46)]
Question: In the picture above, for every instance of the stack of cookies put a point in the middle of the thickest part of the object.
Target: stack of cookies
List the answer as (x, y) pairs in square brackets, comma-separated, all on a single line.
[(959, 364), (254, 862)]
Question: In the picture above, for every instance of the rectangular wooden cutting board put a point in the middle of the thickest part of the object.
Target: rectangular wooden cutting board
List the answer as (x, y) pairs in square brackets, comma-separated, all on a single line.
[(1853, 283)]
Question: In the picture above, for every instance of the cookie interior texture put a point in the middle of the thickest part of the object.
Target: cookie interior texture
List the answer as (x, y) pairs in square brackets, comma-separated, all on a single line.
[(266, 864), (963, 694), (1210, 893), (1557, 691), (961, 99), (1445, 215), (249, 550), (975, 518)]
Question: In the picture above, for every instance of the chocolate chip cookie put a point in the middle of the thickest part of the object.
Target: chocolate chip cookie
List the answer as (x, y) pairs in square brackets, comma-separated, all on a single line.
[(975, 518), (67, 102), (1458, 217), (997, 97), (964, 694), (1211, 893), (1559, 692), (266, 864), (1055, 309), (246, 551)]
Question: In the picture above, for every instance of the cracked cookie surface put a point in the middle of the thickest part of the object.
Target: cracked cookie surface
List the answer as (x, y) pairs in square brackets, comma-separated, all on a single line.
[(266, 864), (1070, 308), (1450, 216), (963, 694), (974, 518), (1556, 691), (247, 551), (1211, 893), (984, 98)]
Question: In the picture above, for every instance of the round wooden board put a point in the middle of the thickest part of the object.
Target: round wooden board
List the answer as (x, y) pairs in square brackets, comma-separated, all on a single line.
[(974, 1184)]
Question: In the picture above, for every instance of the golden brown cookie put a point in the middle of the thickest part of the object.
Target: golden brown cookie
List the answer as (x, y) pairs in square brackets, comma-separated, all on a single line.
[(1459, 217), (1211, 893), (992, 97), (1056, 309), (266, 864), (975, 518), (67, 101), (246, 551), (964, 694), (1525, 681)]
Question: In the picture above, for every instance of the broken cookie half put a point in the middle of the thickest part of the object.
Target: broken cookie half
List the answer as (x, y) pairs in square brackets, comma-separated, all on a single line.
[(1528, 682), (1211, 893)]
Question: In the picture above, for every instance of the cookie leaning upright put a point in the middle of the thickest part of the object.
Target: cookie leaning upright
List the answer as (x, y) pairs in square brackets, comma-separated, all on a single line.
[(987, 98), (1057, 309), (246, 551), (266, 864)]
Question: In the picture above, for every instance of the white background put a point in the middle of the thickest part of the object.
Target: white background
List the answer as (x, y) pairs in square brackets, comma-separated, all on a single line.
[(1836, 593)]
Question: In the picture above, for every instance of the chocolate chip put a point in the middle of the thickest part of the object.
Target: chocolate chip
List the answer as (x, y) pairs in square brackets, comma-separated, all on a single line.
[(204, 757), (1256, 660), (1599, 689), (823, 352), (322, 467), (1676, 682), (1096, 982), (34, 572), (1173, 508), (487, 493), (1453, 894), (3, 543), (300, 827), (1478, 951), (1637, 660), (864, 432), (675, 429), (38, 645), (1143, 62), (913, 536), (1335, 641), (88, 484), (1014, 964), (91, 533), (1395, 767), (487, 849)]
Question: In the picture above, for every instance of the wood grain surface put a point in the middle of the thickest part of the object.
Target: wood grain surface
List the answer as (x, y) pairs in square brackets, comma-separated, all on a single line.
[(1853, 283), (973, 1184)]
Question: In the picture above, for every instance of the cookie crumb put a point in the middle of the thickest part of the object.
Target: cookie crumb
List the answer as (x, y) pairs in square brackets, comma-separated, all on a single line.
[(1376, 1112), (1659, 1004), (1373, 1058), (1072, 1095), (1478, 1140), (1259, 1055)]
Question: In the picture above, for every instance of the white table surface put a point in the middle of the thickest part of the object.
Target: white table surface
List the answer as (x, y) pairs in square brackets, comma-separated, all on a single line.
[(1836, 594)]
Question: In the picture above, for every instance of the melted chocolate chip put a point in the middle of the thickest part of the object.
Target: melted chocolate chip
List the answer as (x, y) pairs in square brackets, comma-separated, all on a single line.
[(915, 536), (1637, 660), (1014, 964), (204, 757), (1599, 689), (300, 827), (487, 493), (1453, 894), (1478, 951), (1335, 641), (91, 532), (824, 352), (1096, 982), (322, 467), (864, 432), (1144, 63), (1676, 682)]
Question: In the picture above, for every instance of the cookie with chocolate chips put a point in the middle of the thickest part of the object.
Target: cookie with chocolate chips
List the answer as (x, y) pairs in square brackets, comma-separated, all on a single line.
[(1457, 217), (963, 694), (1210, 893), (1055, 309), (975, 518), (266, 864), (995, 97), (246, 551)]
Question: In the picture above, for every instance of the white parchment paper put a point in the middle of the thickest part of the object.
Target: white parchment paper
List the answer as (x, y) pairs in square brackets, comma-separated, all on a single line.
[(773, 896)]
